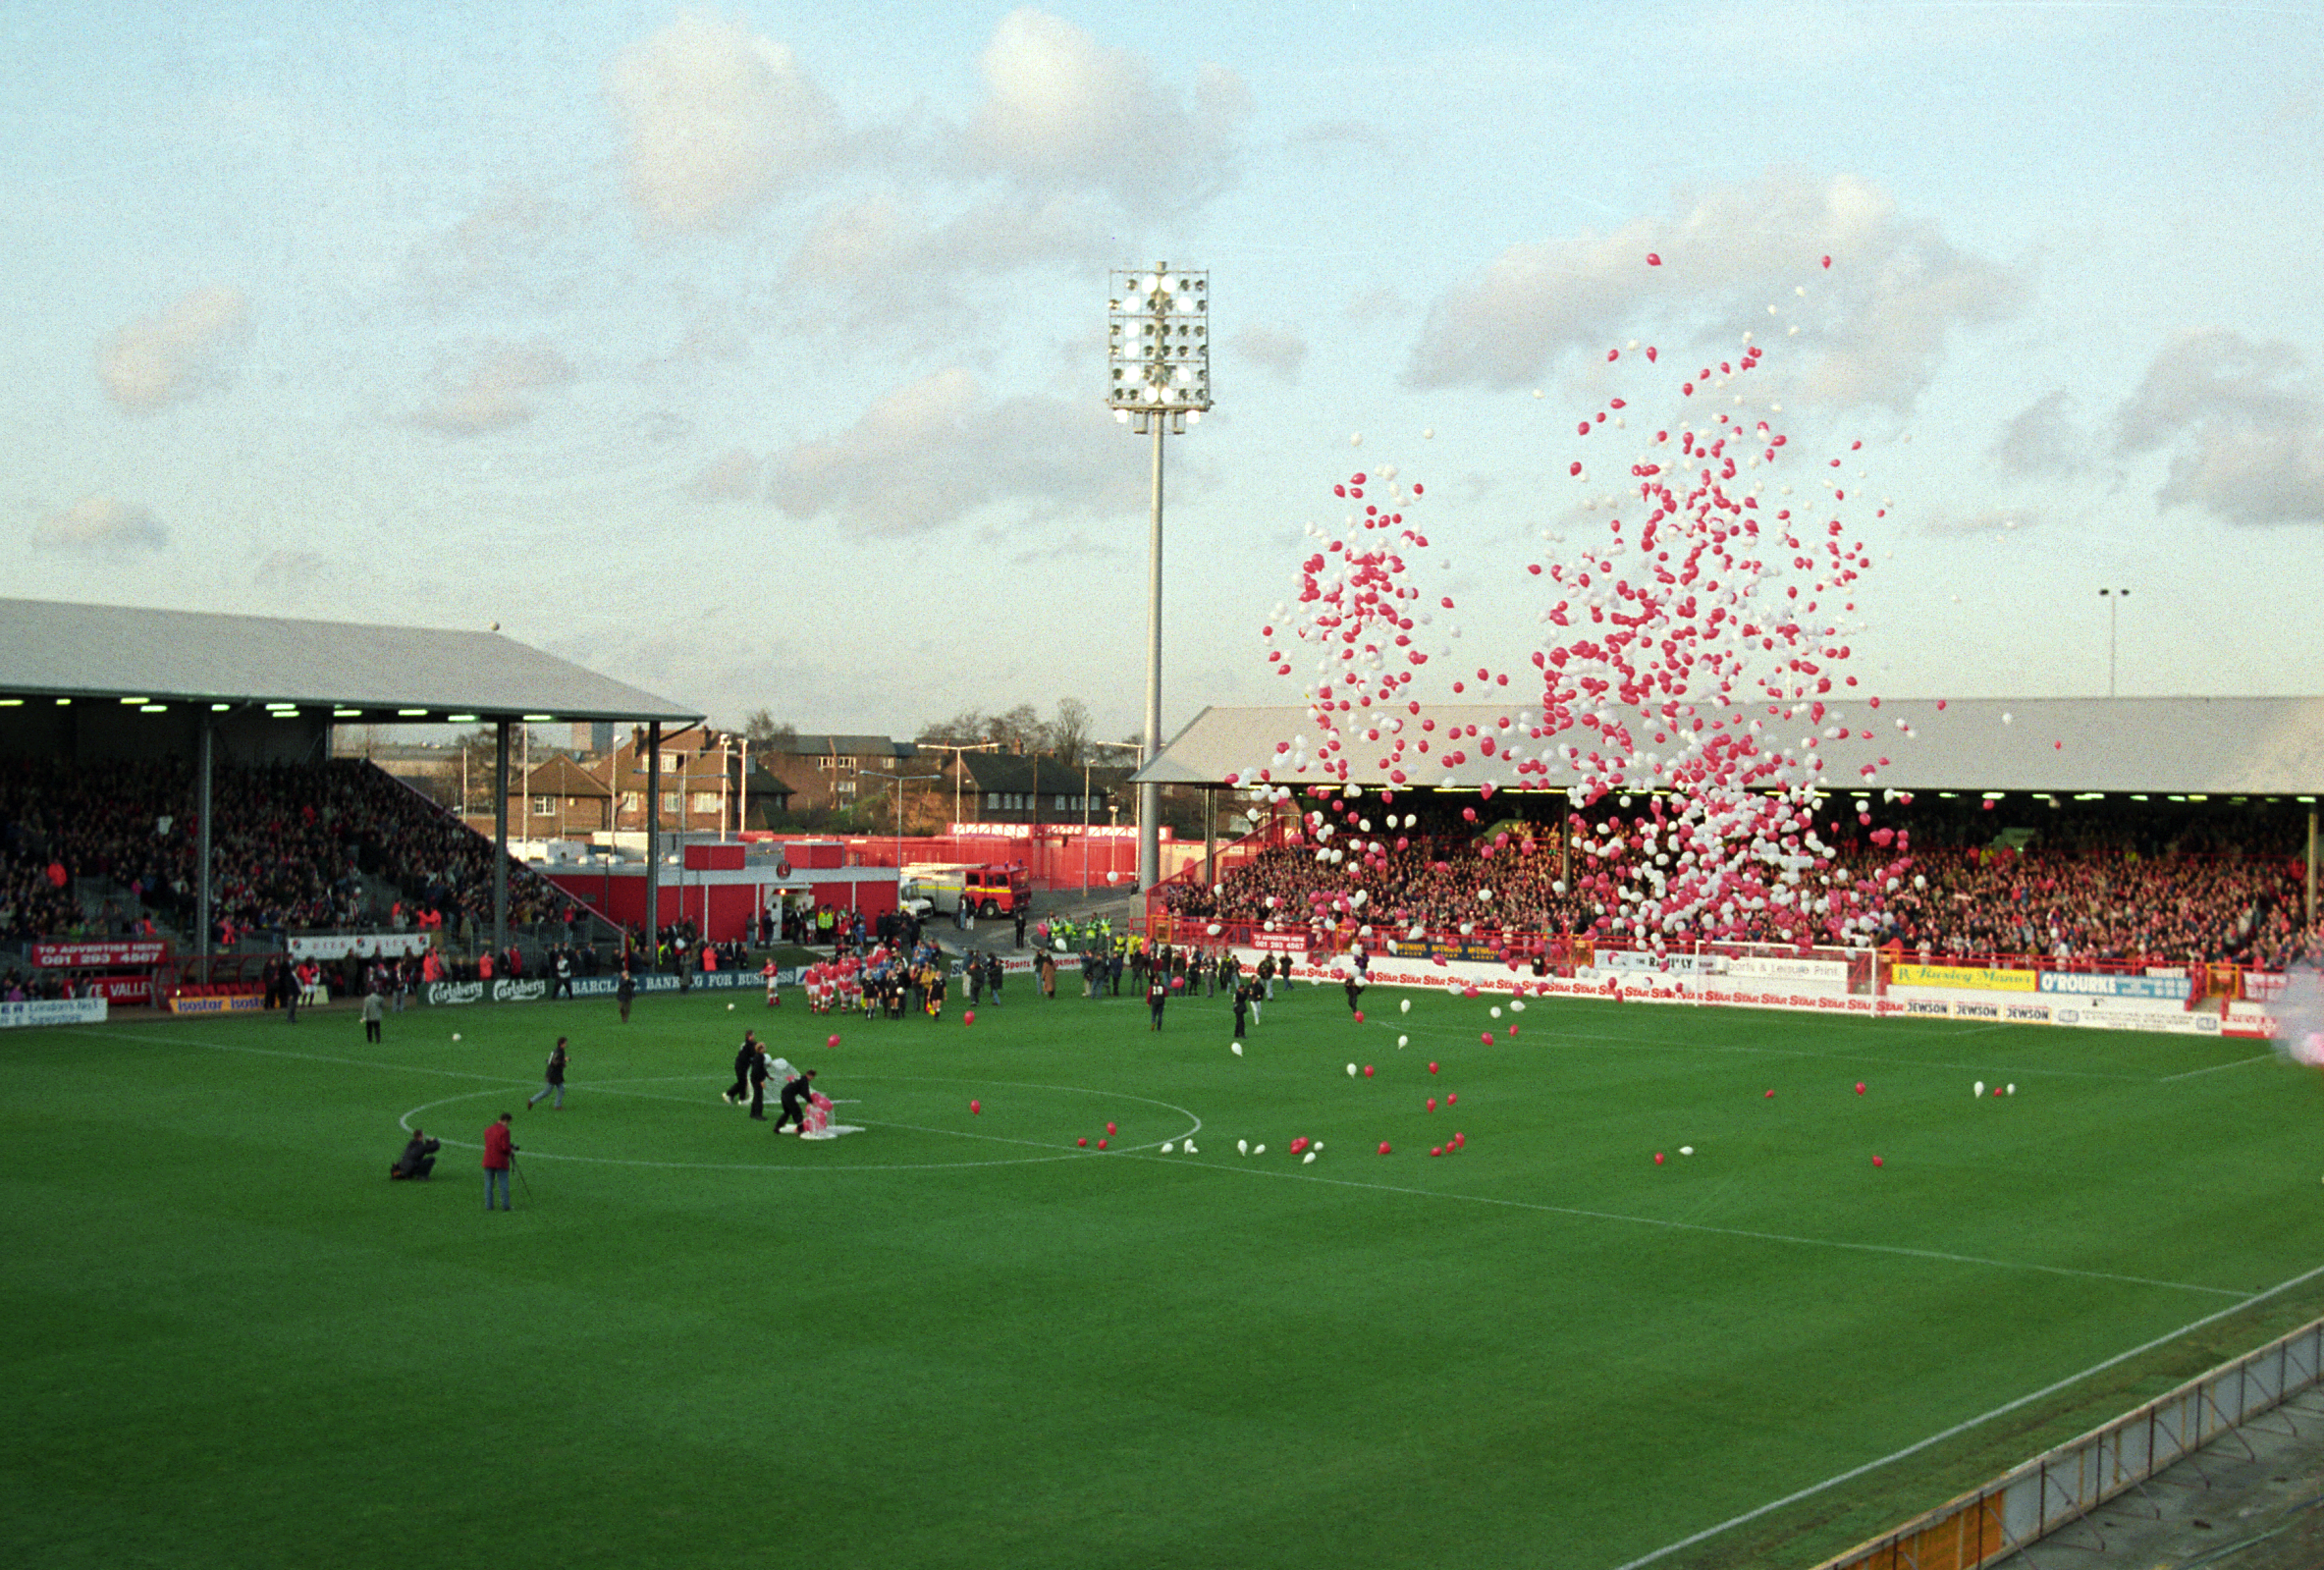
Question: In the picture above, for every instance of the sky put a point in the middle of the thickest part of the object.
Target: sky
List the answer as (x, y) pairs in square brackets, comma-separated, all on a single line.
[(757, 357)]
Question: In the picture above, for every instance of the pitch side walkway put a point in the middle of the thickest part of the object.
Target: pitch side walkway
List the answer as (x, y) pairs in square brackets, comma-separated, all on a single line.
[(2253, 1500)]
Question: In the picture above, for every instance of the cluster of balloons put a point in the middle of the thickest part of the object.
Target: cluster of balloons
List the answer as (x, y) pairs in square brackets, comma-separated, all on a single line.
[(1696, 661)]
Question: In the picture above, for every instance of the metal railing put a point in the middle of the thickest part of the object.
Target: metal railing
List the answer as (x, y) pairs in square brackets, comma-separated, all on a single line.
[(2062, 1485)]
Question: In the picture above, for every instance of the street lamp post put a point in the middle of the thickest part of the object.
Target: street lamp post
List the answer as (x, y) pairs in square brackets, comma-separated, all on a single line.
[(1085, 811), (2114, 599), (1159, 354), (900, 780)]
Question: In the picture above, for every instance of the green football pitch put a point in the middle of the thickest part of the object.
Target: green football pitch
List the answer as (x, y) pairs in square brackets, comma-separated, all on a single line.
[(967, 1340)]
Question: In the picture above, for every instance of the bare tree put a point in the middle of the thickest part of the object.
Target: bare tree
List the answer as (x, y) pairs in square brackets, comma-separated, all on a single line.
[(968, 725), (1069, 731), (761, 729), (1019, 728)]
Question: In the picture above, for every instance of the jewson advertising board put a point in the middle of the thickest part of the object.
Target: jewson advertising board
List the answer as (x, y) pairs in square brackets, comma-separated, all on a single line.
[(1972, 1006)]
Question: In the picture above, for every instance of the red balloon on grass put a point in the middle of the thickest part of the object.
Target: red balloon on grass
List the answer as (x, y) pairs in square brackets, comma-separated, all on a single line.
[(1082, 1143), (1383, 1146), (1359, 1016), (968, 1016), (975, 1107), (833, 1042)]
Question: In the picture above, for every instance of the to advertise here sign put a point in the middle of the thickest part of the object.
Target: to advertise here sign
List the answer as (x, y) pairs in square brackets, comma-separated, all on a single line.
[(111, 953)]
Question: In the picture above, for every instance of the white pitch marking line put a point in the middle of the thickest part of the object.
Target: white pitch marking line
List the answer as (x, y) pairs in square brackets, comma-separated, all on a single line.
[(1738, 1231), (2216, 1067), (318, 1057), (1982, 1418), (617, 1088)]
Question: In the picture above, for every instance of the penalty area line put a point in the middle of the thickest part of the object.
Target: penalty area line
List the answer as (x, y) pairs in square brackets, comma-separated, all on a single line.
[(1957, 1428)]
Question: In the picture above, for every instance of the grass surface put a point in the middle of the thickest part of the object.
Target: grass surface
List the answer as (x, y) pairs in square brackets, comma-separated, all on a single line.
[(958, 1341)]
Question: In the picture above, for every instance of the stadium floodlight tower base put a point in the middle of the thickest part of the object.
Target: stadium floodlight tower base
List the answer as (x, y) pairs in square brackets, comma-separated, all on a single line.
[(1159, 350)]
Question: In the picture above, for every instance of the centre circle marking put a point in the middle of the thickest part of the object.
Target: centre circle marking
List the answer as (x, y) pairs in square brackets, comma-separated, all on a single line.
[(615, 1087)]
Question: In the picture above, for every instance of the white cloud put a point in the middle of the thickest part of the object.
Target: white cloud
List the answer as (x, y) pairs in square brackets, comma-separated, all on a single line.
[(291, 569), (934, 452), (1872, 327), (1279, 350), (1064, 111), (718, 120), (2243, 424), (100, 525), (488, 248), (1990, 520), (1378, 305), (895, 265), (495, 392), (174, 353), (736, 476), (2042, 439)]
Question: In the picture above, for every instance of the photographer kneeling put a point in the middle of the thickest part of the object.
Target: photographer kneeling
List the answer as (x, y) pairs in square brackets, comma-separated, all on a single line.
[(418, 1157)]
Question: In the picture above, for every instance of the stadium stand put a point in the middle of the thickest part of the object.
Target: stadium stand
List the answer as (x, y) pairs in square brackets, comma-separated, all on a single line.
[(118, 725), (2112, 832)]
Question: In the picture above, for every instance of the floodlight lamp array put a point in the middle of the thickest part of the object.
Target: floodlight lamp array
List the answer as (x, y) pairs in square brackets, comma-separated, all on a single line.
[(1158, 345)]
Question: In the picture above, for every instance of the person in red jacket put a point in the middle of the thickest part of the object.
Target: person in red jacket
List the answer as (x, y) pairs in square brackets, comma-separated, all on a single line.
[(499, 1155)]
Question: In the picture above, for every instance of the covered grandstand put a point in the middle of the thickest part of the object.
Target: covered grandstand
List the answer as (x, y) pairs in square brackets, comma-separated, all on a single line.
[(1985, 770), (109, 685)]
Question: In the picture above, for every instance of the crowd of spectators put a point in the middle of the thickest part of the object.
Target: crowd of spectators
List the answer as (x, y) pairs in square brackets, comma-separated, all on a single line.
[(2151, 887), (289, 843)]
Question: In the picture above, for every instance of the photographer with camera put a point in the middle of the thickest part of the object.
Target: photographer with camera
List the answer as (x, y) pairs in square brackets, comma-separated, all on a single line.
[(418, 1157), (499, 1155)]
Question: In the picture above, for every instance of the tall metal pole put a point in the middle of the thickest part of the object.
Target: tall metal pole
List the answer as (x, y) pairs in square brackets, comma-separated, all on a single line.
[(1159, 332), (201, 830), (2312, 872), (499, 843), (1150, 793), (653, 818), (2114, 599)]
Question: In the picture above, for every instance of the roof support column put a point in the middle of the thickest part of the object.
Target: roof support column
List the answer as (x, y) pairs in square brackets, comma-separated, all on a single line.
[(201, 863), (2312, 875), (499, 843), (653, 828)]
